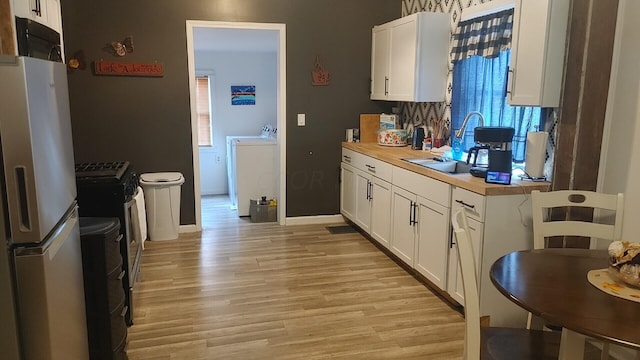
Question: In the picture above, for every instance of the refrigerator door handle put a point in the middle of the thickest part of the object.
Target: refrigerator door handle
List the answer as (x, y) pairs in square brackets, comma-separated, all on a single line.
[(23, 198)]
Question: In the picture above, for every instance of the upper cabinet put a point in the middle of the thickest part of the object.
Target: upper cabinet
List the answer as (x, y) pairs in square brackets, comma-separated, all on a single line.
[(45, 12), (409, 58), (537, 52)]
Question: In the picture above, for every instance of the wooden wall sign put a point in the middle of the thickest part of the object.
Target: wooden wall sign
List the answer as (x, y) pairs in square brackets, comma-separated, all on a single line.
[(128, 68)]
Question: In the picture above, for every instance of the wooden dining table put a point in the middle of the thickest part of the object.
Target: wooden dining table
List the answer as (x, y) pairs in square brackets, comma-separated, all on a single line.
[(552, 284)]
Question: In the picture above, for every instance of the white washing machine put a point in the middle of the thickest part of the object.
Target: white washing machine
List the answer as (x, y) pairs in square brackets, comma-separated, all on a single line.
[(251, 168)]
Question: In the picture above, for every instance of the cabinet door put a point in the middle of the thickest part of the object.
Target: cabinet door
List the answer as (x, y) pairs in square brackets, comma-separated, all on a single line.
[(379, 63), (537, 52), (381, 211), (402, 63), (402, 228), (527, 63), (348, 191), (54, 18), (363, 200), (454, 276), (432, 242)]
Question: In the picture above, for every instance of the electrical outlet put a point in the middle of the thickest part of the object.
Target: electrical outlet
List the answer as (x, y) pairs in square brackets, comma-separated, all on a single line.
[(301, 119)]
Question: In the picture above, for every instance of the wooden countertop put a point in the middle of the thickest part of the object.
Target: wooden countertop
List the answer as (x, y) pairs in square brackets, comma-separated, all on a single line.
[(394, 156)]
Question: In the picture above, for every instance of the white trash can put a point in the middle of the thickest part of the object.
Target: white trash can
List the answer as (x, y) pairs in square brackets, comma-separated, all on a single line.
[(162, 202)]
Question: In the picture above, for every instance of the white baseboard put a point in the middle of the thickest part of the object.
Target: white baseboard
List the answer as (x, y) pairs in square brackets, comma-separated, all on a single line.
[(317, 219), (188, 228)]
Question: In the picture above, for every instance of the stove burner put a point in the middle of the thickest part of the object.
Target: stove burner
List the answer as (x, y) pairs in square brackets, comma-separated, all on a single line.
[(101, 170)]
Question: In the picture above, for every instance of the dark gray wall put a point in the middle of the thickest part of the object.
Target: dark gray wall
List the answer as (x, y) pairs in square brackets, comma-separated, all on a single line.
[(147, 120)]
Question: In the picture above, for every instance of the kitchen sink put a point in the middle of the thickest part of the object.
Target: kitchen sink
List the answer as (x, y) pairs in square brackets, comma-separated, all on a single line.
[(446, 166)]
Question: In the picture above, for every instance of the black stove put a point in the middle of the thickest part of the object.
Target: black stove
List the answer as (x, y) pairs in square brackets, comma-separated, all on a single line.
[(101, 171), (107, 189)]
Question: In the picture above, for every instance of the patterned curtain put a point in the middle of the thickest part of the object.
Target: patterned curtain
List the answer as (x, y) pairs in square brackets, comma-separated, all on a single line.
[(484, 36)]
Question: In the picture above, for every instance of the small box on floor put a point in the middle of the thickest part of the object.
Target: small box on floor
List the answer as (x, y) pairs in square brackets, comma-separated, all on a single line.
[(262, 213)]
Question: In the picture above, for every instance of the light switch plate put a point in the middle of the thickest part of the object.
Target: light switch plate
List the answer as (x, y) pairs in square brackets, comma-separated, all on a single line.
[(301, 119)]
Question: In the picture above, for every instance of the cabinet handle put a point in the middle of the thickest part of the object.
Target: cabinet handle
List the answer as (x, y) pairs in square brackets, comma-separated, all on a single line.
[(451, 242), (371, 168), (415, 217), (509, 85), (412, 213), (121, 275), (465, 204), (370, 190), (386, 87), (346, 158), (38, 9)]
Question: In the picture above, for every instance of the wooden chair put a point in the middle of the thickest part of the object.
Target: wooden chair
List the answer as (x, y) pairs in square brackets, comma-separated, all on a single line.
[(542, 204), (490, 342)]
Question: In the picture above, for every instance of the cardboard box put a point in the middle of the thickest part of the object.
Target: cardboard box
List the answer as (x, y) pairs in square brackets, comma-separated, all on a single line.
[(262, 213), (389, 121), (369, 126)]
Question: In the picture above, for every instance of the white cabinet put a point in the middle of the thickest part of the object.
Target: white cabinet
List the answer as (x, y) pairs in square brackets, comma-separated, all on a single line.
[(454, 274), (537, 52), (347, 191), (420, 223), (403, 233), (431, 247), (45, 12), (409, 58), (499, 225), (363, 200), (365, 196), (380, 211)]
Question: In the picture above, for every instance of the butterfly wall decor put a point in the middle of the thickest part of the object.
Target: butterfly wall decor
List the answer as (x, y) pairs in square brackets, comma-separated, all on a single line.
[(124, 47)]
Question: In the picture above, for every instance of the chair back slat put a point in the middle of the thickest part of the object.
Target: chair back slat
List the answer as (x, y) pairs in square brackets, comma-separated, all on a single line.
[(469, 276), (543, 202)]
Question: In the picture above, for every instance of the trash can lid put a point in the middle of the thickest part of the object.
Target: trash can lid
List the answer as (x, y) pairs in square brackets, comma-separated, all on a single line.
[(161, 178)]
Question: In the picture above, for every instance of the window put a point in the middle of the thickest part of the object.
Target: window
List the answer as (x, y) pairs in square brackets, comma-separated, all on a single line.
[(203, 111), (479, 84), (481, 53)]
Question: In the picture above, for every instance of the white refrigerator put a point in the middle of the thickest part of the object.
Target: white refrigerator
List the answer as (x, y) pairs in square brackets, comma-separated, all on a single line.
[(41, 283)]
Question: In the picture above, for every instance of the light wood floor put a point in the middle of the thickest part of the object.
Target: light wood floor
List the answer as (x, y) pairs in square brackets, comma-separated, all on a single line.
[(240, 290)]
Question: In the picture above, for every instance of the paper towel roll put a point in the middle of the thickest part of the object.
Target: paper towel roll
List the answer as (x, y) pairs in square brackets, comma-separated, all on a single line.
[(536, 153)]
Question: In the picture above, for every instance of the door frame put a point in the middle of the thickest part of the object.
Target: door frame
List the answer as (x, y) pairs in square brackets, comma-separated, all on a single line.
[(280, 110)]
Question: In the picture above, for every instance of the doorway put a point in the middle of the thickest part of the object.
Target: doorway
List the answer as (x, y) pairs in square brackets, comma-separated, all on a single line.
[(237, 36)]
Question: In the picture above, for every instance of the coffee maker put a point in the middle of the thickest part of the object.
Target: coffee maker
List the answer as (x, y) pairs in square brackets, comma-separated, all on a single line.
[(496, 140)]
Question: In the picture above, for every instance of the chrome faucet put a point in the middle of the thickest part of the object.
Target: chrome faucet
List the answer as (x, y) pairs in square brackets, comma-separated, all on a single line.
[(460, 132)]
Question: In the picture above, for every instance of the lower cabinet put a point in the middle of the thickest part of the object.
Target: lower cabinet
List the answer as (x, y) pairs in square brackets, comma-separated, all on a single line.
[(381, 211), (365, 196), (421, 224), (499, 224), (362, 216), (403, 234), (410, 214), (454, 275), (431, 247), (347, 191)]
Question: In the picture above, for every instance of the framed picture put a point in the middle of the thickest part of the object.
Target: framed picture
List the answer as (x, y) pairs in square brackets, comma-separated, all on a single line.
[(243, 95)]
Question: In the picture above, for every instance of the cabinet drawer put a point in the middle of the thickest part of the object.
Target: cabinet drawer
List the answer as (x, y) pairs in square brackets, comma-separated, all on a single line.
[(434, 190), (472, 202), (374, 167), (348, 156)]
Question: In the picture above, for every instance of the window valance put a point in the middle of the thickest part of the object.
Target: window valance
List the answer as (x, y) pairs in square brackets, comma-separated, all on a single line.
[(485, 36)]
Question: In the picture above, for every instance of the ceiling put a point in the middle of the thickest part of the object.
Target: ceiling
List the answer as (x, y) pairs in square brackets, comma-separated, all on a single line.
[(241, 40)]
